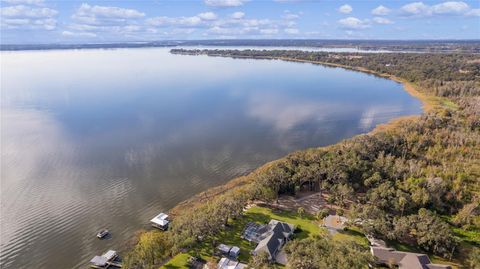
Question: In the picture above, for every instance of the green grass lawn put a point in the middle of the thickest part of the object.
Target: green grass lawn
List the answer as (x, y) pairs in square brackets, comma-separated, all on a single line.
[(307, 226), (354, 234), (179, 261)]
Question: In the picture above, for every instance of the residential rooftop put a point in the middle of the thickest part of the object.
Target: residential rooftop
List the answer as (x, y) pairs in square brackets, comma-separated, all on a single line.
[(405, 260), (278, 234)]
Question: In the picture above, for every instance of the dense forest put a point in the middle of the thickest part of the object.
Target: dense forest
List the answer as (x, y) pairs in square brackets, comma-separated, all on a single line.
[(416, 182)]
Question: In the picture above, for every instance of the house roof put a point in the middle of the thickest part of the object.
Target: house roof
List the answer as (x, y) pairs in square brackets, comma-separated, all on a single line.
[(160, 219), (235, 250), (226, 263), (405, 260), (224, 248), (278, 232)]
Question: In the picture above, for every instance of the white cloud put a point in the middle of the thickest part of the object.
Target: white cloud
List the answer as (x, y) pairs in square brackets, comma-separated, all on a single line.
[(233, 32), (474, 12), (21, 16), (105, 14), (291, 15), (22, 11), (208, 16), (453, 8), (174, 21), (416, 9), (111, 21), (354, 23), (236, 27), (346, 9), (25, 2), (292, 31), (200, 20), (381, 11), (224, 3), (269, 31), (256, 22), (75, 34), (381, 20), (237, 15)]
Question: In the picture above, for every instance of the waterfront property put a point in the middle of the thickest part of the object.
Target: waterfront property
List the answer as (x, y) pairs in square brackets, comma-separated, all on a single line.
[(276, 236), (160, 221), (254, 232), (404, 260), (107, 260)]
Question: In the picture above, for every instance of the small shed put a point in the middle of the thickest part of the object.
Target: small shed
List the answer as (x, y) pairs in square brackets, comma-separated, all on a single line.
[(234, 252), (224, 249)]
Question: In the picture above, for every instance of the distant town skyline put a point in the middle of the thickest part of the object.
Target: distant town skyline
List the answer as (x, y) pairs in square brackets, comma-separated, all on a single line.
[(45, 21)]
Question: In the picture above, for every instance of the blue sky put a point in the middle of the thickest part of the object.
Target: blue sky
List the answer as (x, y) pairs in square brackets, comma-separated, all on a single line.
[(71, 21)]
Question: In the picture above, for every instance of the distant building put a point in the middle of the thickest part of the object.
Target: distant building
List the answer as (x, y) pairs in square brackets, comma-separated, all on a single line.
[(226, 263), (404, 260), (276, 236)]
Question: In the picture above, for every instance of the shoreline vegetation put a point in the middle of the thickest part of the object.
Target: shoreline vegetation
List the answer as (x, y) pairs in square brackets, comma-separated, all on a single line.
[(414, 181)]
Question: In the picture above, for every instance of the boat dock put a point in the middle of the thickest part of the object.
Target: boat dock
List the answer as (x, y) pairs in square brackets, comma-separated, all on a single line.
[(107, 260), (160, 221), (107, 265)]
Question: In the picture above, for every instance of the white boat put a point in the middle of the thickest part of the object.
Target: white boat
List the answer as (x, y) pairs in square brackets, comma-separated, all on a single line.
[(102, 233)]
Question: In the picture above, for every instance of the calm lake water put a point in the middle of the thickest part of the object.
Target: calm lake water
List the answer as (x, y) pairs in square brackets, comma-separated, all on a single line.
[(109, 138)]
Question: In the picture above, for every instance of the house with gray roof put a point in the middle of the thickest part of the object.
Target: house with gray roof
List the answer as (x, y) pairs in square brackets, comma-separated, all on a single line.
[(404, 260), (276, 236)]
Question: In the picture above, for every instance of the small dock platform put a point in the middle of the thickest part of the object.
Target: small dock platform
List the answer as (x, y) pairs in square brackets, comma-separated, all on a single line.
[(107, 260)]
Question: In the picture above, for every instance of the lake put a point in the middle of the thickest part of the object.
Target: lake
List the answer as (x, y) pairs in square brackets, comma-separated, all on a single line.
[(110, 138)]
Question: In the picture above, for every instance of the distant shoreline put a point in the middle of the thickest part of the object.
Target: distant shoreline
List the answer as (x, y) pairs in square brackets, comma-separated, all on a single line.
[(429, 103), (405, 46)]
